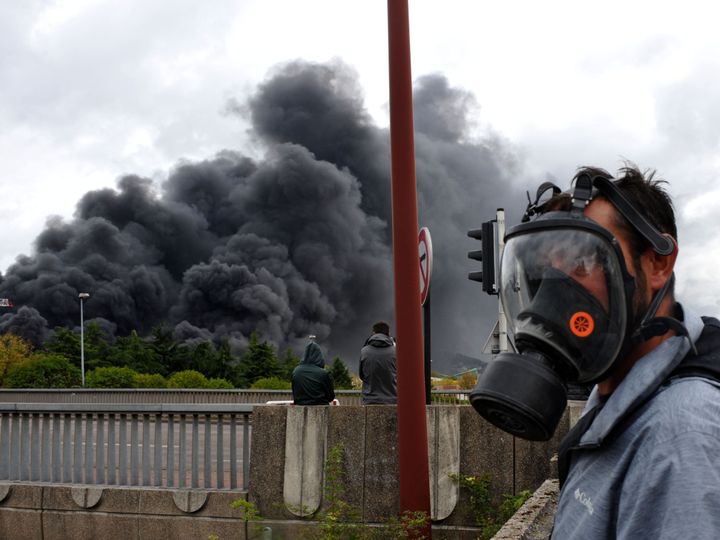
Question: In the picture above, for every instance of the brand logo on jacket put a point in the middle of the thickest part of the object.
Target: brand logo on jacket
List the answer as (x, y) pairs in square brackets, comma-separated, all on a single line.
[(583, 499)]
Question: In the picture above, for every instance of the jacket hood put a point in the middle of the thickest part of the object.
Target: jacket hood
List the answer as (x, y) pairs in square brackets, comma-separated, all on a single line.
[(313, 355), (380, 340)]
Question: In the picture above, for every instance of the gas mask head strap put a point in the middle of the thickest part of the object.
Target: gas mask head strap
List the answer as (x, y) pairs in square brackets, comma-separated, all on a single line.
[(537, 207), (661, 244), (582, 193)]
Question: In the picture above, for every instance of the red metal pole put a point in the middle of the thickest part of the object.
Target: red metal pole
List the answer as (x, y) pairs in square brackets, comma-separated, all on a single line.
[(412, 426)]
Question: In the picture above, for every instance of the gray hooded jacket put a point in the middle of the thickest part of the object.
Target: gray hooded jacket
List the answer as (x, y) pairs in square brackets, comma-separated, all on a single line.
[(377, 370), (658, 475)]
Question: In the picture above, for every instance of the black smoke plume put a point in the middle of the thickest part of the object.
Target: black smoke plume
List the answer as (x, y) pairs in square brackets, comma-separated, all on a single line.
[(292, 244)]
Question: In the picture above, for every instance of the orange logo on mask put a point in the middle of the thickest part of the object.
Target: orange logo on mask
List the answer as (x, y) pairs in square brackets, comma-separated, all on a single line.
[(582, 324)]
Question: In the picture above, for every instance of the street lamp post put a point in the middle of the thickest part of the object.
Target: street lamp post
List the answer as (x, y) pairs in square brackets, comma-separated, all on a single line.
[(82, 296)]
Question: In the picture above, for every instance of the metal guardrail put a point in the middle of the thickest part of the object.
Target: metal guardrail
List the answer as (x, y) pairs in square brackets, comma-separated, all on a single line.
[(162, 445), (128, 437), (190, 396)]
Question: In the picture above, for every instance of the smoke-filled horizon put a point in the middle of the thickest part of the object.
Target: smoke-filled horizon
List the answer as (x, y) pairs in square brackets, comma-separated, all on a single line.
[(294, 243)]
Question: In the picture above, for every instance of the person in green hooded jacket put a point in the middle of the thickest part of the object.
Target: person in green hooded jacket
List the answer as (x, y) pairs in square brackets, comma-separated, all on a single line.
[(311, 384)]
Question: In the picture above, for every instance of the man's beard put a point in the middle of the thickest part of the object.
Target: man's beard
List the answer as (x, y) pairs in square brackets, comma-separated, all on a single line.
[(640, 303)]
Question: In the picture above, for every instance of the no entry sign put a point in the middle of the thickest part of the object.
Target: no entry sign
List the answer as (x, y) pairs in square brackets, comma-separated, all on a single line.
[(425, 252)]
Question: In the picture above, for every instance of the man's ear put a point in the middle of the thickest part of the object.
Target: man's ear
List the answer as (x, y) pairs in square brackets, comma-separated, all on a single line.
[(660, 267)]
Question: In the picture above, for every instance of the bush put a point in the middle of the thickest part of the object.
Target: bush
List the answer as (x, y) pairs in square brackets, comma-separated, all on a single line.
[(216, 383), (271, 383), (489, 516), (187, 379), (111, 377), (149, 380), (44, 371), (467, 380), (14, 350)]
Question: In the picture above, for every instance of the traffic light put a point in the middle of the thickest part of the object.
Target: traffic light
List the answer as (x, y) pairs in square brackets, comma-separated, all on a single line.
[(486, 234)]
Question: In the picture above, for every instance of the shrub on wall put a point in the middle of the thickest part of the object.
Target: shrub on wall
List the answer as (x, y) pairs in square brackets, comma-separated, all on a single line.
[(271, 383), (217, 383), (187, 379), (44, 371), (149, 380), (111, 377)]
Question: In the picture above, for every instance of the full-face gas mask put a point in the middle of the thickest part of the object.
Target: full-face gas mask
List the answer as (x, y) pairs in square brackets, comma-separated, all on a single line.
[(568, 297)]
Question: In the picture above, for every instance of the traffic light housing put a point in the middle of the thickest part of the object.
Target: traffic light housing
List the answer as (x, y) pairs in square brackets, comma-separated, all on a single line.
[(486, 234)]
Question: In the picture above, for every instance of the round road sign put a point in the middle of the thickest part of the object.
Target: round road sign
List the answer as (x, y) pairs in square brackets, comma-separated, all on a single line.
[(425, 252)]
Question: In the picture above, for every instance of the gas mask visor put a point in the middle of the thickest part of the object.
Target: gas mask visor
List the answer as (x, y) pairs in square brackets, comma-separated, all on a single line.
[(565, 290)]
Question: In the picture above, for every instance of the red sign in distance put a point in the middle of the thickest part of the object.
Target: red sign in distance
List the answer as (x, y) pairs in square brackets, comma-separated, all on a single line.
[(425, 252)]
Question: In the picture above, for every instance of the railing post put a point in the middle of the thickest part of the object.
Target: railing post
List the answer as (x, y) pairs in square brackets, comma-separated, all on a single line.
[(195, 450), (146, 450), (207, 454), (112, 473), (67, 449), (89, 465), (220, 468), (123, 451), (183, 452), (246, 451), (100, 472), (46, 448), (77, 449), (5, 446), (134, 451), (157, 464), (170, 450)]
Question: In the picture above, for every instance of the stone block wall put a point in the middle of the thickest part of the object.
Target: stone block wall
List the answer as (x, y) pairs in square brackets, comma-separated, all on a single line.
[(47, 512), (368, 435)]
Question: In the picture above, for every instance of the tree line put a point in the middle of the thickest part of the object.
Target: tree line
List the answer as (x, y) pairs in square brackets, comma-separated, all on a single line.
[(158, 361)]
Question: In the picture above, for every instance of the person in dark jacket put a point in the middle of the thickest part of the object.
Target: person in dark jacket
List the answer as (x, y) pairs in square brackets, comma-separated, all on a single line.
[(311, 384), (377, 367)]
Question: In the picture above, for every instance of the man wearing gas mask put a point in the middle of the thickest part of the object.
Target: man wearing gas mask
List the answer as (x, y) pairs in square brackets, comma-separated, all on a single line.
[(587, 284)]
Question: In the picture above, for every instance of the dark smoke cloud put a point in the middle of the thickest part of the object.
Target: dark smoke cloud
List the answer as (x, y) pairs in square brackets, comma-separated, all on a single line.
[(295, 243), (27, 323)]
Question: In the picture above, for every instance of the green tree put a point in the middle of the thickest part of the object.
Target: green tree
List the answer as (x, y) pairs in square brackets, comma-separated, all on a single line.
[(66, 343), (134, 352), (288, 363), (204, 359), (258, 361), (14, 350), (149, 380), (111, 377), (340, 374), (226, 362), (44, 370), (166, 350), (271, 383), (187, 379), (216, 383), (96, 346)]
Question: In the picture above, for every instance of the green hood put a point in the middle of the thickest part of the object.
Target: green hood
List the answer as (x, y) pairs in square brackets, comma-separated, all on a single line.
[(313, 355)]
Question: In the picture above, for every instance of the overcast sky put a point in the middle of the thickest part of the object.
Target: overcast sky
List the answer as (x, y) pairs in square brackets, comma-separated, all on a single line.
[(94, 89)]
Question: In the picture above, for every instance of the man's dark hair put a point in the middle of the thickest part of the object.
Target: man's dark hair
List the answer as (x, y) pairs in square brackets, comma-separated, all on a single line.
[(381, 327), (643, 191)]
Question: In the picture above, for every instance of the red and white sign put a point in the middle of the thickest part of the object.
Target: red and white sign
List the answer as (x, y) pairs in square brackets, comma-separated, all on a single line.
[(5, 302), (425, 252)]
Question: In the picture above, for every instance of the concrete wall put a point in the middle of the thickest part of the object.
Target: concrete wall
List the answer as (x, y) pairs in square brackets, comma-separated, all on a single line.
[(368, 436), (45, 512)]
